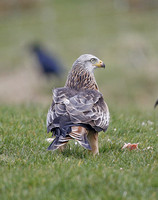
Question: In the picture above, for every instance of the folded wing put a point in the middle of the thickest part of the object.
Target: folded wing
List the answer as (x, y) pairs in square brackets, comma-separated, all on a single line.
[(78, 107)]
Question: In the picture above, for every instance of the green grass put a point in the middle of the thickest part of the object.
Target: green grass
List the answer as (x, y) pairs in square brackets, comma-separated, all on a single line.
[(29, 171)]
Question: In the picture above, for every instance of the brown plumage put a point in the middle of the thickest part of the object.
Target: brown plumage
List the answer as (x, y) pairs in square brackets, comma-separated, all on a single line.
[(78, 110), (79, 78)]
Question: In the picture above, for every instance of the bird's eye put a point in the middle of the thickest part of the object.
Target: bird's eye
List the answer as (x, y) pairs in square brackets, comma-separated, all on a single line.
[(93, 60)]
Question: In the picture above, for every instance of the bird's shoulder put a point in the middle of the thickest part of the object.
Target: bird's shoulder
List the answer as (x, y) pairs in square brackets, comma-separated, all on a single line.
[(67, 95)]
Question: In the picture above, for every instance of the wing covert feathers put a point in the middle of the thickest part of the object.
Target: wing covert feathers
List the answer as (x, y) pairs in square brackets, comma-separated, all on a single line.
[(85, 106)]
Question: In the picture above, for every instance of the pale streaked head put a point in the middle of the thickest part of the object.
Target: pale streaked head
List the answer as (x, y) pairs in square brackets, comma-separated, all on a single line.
[(89, 61)]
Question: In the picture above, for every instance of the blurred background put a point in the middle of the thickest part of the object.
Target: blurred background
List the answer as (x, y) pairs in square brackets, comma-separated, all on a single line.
[(122, 33)]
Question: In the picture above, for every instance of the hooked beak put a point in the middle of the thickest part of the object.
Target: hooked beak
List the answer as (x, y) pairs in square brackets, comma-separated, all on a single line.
[(100, 64)]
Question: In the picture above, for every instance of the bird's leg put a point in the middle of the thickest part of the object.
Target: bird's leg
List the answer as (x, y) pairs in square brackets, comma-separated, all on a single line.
[(93, 141)]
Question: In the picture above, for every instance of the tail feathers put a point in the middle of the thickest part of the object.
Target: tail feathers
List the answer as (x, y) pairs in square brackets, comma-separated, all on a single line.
[(80, 134), (58, 142), (85, 144)]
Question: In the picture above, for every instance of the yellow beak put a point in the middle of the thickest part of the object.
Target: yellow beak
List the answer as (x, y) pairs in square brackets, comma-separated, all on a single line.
[(100, 64)]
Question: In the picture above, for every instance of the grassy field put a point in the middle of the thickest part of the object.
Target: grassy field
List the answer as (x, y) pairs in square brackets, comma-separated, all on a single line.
[(127, 41), (29, 171)]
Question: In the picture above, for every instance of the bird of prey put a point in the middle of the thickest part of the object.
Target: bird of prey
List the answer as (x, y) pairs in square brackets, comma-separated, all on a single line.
[(78, 110), (156, 103), (48, 63)]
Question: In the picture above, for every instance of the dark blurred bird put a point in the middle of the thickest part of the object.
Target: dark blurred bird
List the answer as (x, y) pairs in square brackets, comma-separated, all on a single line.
[(78, 110), (48, 63), (156, 103)]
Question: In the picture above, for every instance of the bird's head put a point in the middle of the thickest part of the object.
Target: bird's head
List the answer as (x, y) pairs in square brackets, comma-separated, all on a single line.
[(89, 62)]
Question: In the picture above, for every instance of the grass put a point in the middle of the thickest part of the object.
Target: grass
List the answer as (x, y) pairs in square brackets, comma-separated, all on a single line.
[(29, 171)]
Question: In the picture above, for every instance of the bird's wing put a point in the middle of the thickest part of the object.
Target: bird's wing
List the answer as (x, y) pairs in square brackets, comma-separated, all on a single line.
[(78, 107), (156, 103)]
